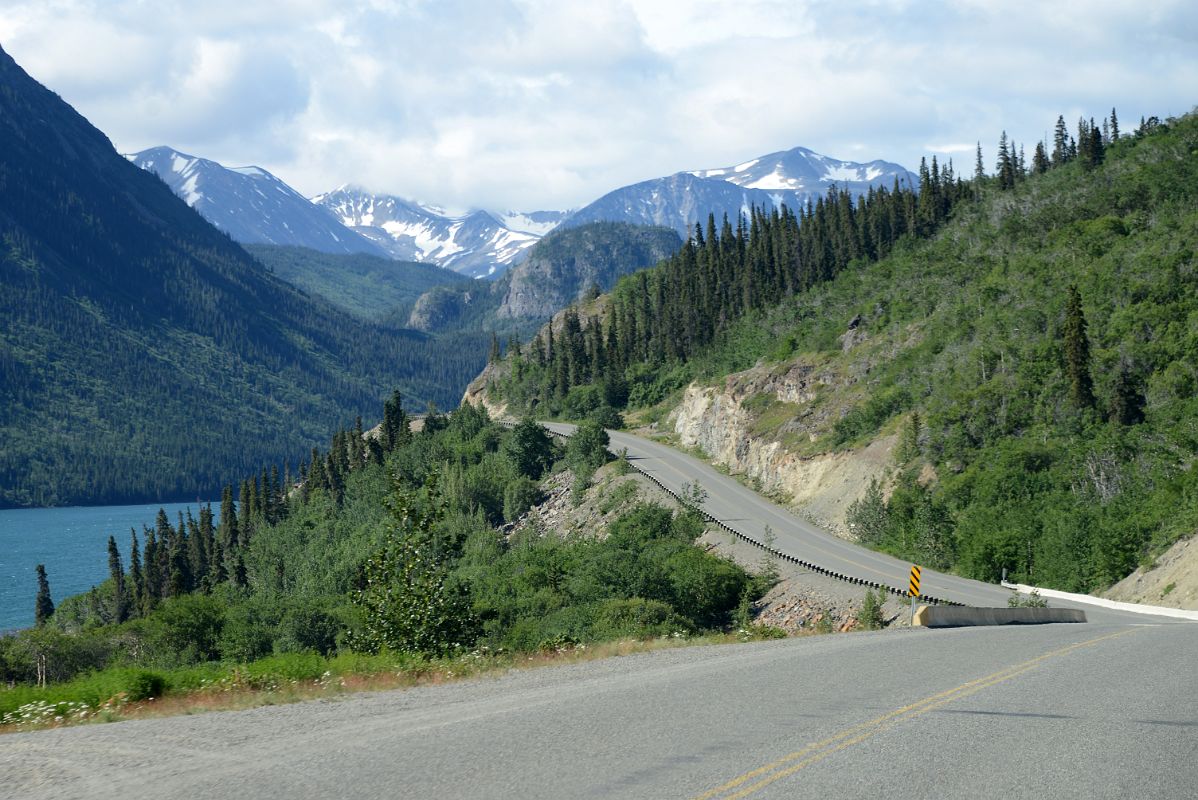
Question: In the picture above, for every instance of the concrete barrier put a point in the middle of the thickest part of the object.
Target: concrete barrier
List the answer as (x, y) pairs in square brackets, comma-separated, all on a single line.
[(962, 616)]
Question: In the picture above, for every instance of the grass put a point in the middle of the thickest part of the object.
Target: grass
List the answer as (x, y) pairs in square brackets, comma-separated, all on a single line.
[(111, 695)]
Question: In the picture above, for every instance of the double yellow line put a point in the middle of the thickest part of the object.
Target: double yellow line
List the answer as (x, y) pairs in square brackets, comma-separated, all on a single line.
[(788, 765)]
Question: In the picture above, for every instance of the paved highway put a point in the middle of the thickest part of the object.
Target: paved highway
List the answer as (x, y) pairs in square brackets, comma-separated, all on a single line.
[(1062, 711), (750, 513)]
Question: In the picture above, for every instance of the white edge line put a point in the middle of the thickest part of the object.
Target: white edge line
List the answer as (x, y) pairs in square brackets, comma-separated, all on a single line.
[(1135, 608)]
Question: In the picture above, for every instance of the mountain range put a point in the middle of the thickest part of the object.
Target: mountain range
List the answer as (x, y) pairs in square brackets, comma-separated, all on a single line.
[(255, 207), (478, 244)]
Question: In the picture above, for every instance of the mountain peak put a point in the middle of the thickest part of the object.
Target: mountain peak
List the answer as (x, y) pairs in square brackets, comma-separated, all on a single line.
[(787, 177), (249, 203)]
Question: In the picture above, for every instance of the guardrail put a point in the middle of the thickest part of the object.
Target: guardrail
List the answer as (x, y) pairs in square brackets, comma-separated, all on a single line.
[(744, 537)]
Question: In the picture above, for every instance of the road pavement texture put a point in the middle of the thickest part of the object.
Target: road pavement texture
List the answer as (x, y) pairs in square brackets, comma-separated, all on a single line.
[(749, 513), (1062, 711)]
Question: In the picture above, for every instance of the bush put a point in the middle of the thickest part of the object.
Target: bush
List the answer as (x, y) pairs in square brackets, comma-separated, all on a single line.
[(587, 448), (142, 684), (1030, 600), (869, 616), (519, 495)]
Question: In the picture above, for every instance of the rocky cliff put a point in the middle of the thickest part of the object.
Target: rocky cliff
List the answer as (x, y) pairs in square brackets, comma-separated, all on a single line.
[(566, 264), (737, 425)]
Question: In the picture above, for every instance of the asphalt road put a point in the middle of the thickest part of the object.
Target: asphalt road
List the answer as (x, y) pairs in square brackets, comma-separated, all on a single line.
[(750, 513), (1062, 711)]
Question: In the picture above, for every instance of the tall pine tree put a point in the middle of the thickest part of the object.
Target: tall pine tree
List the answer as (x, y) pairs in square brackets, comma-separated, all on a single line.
[(1077, 353), (43, 606)]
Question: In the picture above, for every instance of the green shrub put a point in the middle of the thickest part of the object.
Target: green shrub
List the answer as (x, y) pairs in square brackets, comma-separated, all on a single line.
[(521, 494), (142, 684), (870, 615)]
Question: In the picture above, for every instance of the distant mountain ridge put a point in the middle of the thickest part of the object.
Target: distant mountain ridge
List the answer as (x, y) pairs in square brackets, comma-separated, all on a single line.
[(479, 244), (250, 204), (790, 177), (255, 207)]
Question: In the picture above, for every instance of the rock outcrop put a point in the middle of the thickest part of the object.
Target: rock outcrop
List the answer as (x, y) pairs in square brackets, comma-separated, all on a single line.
[(716, 421)]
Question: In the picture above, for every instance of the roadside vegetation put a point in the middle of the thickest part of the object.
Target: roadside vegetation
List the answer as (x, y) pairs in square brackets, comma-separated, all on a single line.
[(393, 561)]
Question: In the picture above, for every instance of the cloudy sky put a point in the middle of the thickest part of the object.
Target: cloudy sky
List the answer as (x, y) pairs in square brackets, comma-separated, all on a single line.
[(528, 104)]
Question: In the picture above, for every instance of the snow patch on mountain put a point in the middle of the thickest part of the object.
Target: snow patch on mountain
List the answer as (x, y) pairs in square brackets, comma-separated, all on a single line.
[(479, 244)]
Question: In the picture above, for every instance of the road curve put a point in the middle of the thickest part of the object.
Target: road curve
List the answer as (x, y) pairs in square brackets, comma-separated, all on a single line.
[(749, 513), (1062, 711)]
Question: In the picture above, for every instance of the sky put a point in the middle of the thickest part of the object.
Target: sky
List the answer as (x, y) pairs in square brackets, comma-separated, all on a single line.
[(549, 104)]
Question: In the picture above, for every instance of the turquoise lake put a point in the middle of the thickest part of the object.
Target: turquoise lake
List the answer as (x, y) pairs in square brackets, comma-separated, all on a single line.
[(72, 543)]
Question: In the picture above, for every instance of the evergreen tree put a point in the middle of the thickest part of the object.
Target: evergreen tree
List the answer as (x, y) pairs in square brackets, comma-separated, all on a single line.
[(1127, 403), (529, 448), (1114, 126), (229, 535), (495, 355), (1077, 353), (245, 505), (395, 430), (1060, 142), (1096, 150), (153, 574), (1005, 168), (136, 579), (120, 602), (179, 577), (1040, 163), (199, 548), (979, 168), (43, 607)]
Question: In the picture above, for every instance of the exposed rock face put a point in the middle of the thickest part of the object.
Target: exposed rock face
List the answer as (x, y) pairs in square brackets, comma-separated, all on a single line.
[(564, 265), (1172, 581), (716, 421), (440, 308)]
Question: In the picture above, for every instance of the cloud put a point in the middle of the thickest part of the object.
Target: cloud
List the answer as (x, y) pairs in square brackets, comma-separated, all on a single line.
[(533, 103)]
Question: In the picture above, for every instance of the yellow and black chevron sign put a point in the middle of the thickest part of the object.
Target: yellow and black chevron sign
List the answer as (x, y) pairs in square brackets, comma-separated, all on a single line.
[(913, 589)]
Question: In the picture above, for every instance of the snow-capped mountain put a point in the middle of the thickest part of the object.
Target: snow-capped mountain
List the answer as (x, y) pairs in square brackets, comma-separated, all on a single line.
[(479, 244), (790, 177), (250, 204)]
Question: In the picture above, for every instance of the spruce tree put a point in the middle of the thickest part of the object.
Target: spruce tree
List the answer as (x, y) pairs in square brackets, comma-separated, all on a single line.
[(43, 607), (1114, 126), (1060, 142), (1127, 403), (1077, 353), (153, 575), (1040, 161), (120, 602), (136, 579), (494, 356), (245, 507)]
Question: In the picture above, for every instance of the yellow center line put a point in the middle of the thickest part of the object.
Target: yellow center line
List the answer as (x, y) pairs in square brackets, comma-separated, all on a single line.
[(818, 751)]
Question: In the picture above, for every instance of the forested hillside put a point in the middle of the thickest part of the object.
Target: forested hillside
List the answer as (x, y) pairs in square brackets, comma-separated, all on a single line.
[(369, 286), (144, 355), (1030, 333)]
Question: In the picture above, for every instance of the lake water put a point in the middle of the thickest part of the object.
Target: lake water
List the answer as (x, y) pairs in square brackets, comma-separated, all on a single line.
[(72, 543)]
